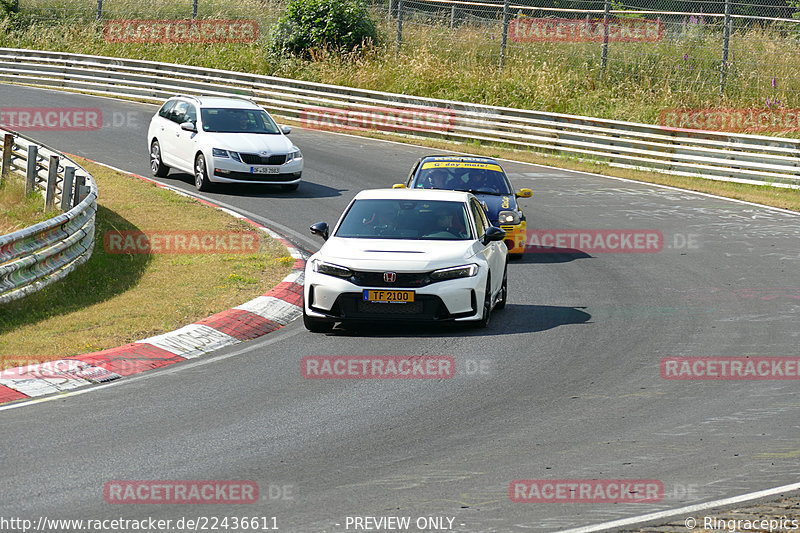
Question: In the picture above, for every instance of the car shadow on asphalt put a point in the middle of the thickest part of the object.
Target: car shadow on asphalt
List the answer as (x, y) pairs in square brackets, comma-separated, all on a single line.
[(515, 318), (552, 255), (307, 189)]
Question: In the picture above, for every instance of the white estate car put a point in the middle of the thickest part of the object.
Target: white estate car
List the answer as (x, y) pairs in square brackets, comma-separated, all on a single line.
[(417, 255), (222, 139)]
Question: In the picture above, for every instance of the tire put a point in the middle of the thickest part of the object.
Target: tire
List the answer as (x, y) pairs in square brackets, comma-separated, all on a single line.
[(290, 187), (487, 306), (157, 166), (501, 302), (201, 180), (315, 326)]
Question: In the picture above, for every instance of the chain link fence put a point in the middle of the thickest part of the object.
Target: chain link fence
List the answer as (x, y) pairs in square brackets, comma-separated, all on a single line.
[(734, 49), (715, 46)]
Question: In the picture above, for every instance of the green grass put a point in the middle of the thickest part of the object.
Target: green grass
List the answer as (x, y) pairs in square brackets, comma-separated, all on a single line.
[(640, 80), (118, 298), (17, 211)]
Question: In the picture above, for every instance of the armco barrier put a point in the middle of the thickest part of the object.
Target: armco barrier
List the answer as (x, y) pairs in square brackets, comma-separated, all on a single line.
[(34, 257), (707, 154)]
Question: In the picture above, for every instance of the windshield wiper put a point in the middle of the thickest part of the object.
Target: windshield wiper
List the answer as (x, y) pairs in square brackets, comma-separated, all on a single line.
[(476, 191)]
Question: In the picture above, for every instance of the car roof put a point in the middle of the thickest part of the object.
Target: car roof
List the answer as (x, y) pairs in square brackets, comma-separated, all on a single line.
[(414, 194), (220, 101), (464, 158)]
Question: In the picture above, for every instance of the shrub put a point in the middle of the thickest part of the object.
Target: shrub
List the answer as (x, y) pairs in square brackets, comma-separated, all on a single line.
[(340, 25), (8, 8)]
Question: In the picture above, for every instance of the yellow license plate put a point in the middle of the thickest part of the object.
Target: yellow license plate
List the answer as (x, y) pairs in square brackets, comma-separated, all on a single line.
[(388, 296)]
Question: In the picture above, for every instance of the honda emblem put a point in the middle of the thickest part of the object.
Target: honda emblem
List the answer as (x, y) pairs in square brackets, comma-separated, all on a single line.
[(389, 277)]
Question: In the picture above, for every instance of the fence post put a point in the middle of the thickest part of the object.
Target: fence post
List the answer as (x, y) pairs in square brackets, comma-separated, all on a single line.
[(8, 146), (726, 40), (604, 53), (66, 189), (506, 16), (30, 174), (399, 39), (99, 9), (78, 186), (194, 9), (52, 176), (452, 16)]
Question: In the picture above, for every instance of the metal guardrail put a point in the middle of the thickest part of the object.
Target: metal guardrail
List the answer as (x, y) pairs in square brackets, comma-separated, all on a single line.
[(34, 257), (706, 154)]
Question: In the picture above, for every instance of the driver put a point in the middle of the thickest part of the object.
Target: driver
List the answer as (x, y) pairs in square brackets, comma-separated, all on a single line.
[(438, 179)]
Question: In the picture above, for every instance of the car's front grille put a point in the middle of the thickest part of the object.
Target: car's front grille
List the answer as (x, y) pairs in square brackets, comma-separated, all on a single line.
[(404, 280), (380, 308), (255, 159)]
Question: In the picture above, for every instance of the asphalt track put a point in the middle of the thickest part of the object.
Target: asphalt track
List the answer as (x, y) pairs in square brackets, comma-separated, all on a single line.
[(571, 387)]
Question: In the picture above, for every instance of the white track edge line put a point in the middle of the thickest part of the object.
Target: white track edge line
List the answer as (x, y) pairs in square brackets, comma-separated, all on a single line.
[(658, 515)]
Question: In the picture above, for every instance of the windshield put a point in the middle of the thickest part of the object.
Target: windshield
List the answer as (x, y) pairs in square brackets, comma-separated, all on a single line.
[(462, 176), (405, 219), (222, 120)]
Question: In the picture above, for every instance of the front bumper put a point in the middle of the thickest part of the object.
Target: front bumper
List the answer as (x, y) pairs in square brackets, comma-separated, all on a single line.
[(227, 170), (328, 297), (516, 237)]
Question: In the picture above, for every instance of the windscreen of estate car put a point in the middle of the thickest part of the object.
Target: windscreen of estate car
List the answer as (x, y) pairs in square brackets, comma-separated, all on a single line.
[(225, 120)]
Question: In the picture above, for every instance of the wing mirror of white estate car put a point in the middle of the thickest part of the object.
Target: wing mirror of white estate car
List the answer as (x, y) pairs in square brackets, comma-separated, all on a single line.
[(189, 126), (286, 130)]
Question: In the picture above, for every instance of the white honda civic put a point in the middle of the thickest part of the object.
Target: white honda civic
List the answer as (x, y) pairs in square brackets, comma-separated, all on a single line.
[(409, 255)]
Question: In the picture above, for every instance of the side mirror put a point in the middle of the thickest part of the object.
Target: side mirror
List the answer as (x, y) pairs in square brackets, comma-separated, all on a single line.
[(321, 229), (493, 233), (399, 186), (524, 193), (286, 130), (188, 126)]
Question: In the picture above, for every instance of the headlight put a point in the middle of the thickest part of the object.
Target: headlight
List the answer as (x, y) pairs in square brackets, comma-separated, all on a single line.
[(509, 217), (330, 269), (464, 271), (224, 154), (294, 154)]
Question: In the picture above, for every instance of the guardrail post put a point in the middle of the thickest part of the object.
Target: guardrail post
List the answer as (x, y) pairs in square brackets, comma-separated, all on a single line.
[(52, 176), (604, 53), (506, 16), (399, 38), (32, 167), (66, 189), (726, 39), (8, 146), (78, 191), (99, 9)]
